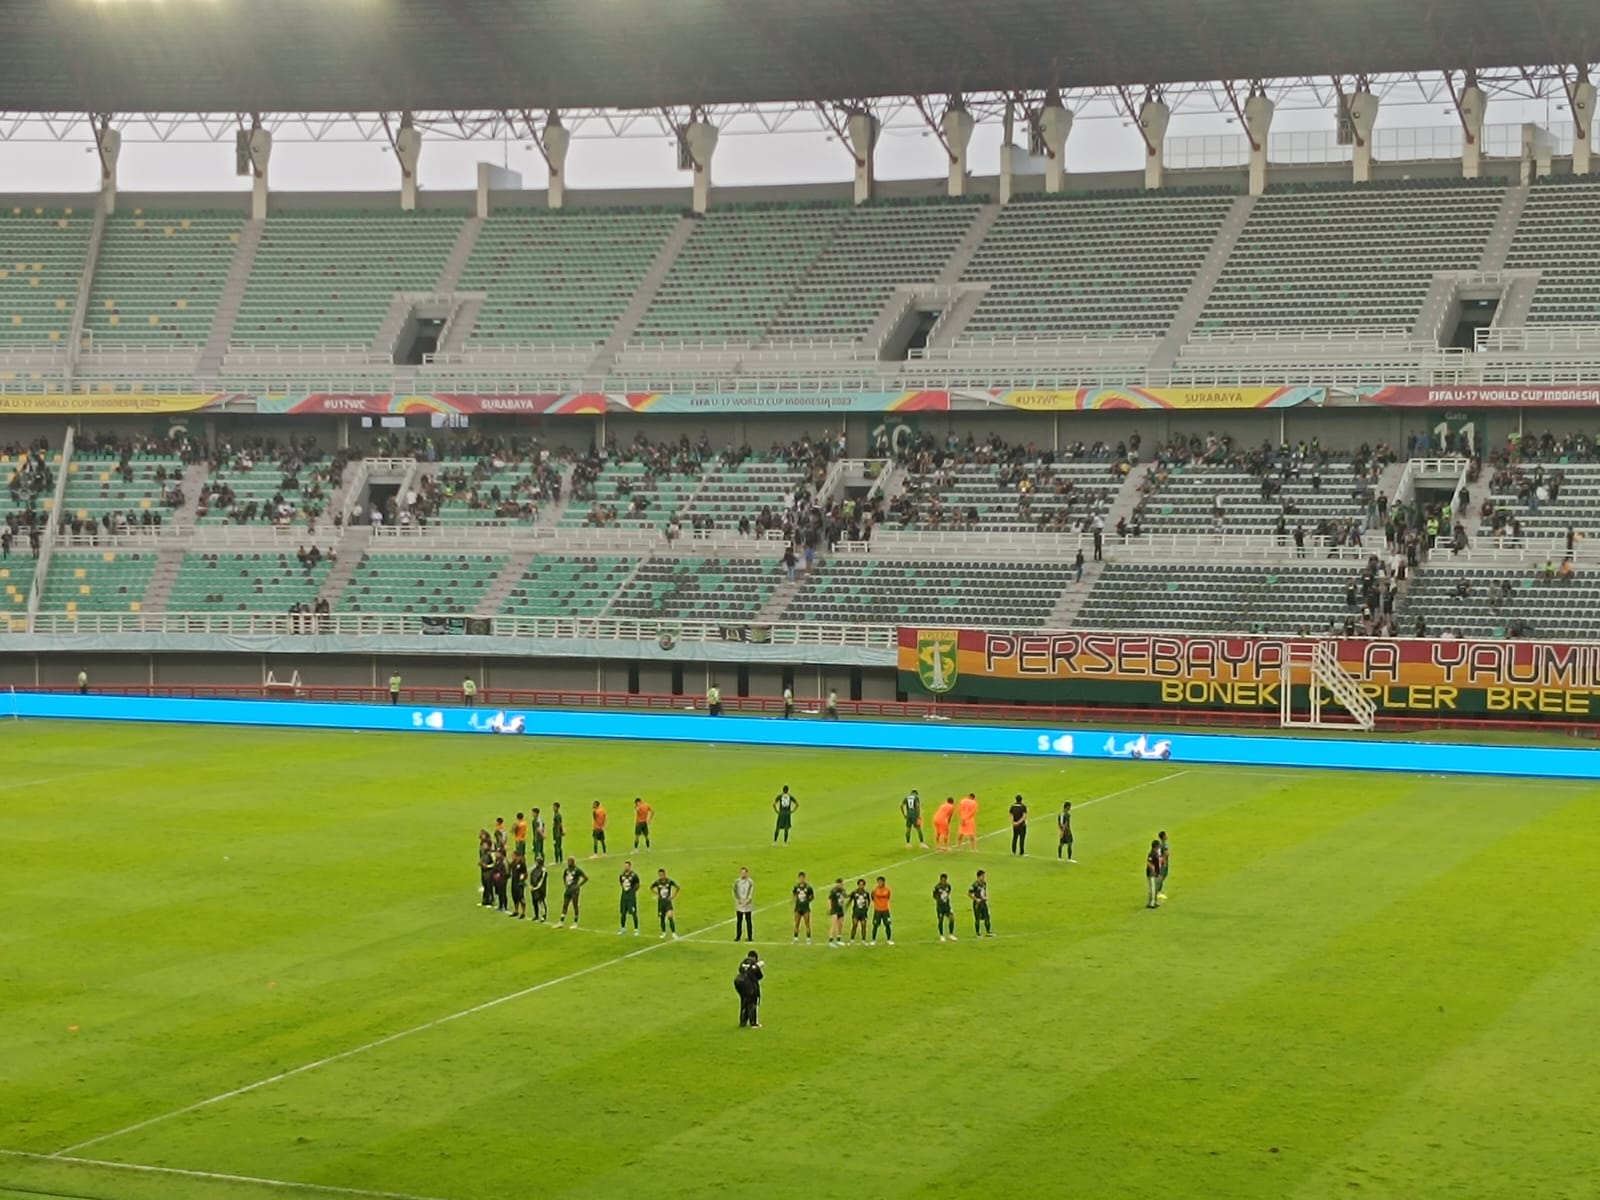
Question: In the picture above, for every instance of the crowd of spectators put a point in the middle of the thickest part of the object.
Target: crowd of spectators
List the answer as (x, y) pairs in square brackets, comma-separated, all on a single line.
[(1029, 487)]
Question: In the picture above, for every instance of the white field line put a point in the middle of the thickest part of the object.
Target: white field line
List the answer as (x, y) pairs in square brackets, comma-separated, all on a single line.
[(11, 787), (320, 1189), (376, 1043)]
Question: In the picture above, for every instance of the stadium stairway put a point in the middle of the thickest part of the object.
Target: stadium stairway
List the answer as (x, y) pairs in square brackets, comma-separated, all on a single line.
[(1389, 481), (511, 574), (1125, 499), (1065, 614), (159, 591), (450, 274), (968, 246), (194, 478), (772, 611), (1194, 302), (80, 306), (209, 365), (352, 546), (1506, 221), (606, 357)]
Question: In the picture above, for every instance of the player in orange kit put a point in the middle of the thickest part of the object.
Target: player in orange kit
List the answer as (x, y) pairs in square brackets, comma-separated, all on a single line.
[(941, 824), (967, 810)]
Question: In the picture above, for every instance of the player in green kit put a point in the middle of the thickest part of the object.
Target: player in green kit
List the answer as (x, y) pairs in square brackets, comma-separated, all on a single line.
[(629, 881), (941, 906), (1166, 865), (558, 829), (803, 894), (911, 810), (1064, 828), (836, 899), (860, 909), (979, 892), (572, 881), (666, 891)]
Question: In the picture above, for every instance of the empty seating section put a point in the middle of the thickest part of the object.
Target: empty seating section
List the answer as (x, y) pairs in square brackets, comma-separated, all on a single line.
[(736, 271), (1327, 259), (1576, 503), (701, 589), (158, 277), (1503, 599), (1556, 237), (1058, 498), (42, 252), (426, 584), (245, 581), (620, 485), (329, 279), (560, 277), (729, 493), (1188, 499), (1113, 265), (1217, 599), (567, 585), (878, 247), (96, 485), (16, 579), (100, 581), (887, 592)]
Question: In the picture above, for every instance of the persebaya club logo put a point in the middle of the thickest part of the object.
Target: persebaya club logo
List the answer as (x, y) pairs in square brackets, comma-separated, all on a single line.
[(936, 660)]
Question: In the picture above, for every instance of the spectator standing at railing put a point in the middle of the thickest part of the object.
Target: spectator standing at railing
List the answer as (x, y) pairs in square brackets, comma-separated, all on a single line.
[(469, 692), (83, 683), (394, 688)]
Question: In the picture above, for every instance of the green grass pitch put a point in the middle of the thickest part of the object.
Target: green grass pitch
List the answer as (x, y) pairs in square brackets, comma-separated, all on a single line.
[(255, 961)]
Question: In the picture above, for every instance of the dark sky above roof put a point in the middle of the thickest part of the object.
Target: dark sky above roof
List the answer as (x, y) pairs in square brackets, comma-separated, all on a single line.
[(368, 55)]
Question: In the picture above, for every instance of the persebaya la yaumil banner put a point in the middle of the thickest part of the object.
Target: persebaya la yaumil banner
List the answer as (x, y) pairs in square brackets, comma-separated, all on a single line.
[(1419, 676)]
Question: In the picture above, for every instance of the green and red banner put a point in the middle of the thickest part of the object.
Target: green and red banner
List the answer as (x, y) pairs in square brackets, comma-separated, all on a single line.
[(1403, 676)]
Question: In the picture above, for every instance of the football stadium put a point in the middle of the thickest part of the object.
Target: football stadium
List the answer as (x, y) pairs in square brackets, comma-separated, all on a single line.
[(829, 500)]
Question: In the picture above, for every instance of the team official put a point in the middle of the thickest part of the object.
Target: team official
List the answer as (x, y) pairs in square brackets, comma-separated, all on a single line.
[(748, 984), (1152, 875), (1064, 829), (1019, 826), (744, 905), (538, 890)]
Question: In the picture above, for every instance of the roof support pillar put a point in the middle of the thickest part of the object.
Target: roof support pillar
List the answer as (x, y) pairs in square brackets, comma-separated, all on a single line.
[(259, 146), (1258, 111), (492, 179), (556, 141), (1582, 100), (700, 138), (1363, 109), (957, 125), (108, 142), (408, 149), (1055, 126), (1154, 117), (1471, 104), (862, 128)]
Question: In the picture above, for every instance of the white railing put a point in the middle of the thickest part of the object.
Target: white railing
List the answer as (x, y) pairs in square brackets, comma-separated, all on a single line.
[(538, 356), (1387, 335), (611, 629), (1539, 339)]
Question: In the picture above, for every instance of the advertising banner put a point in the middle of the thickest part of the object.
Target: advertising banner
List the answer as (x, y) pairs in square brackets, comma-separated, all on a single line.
[(1477, 395), (1112, 399), (111, 403), (1403, 676), (384, 404)]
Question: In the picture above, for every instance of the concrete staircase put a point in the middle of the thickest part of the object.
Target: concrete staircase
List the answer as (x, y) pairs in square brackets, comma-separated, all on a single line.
[(227, 314), (1506, 221), (460, 253), (550, 514), (194, 480), (351, 547), (159, 591), (1067, 607), (500, 590), (954, 319), (80, 307), (1123, 502), (600, 364), (1194, 301), (1517, 303), (782, 596), (968, 246), (463, 320)]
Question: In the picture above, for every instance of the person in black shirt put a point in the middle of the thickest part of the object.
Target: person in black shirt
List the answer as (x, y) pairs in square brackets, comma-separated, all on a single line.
[(538, 888), (784, 804), (1064, 826), (748, 984), (941, 906), (519, 887), (629, 882), (1019, 826), (486, 868), (572, 881), (502, 874)]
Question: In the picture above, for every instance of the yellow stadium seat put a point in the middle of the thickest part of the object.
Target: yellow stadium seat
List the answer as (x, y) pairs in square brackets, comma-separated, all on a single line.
[(109, 556), (80, 572)]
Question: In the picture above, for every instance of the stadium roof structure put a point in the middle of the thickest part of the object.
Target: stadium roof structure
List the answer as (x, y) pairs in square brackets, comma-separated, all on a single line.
[(355, 56)]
